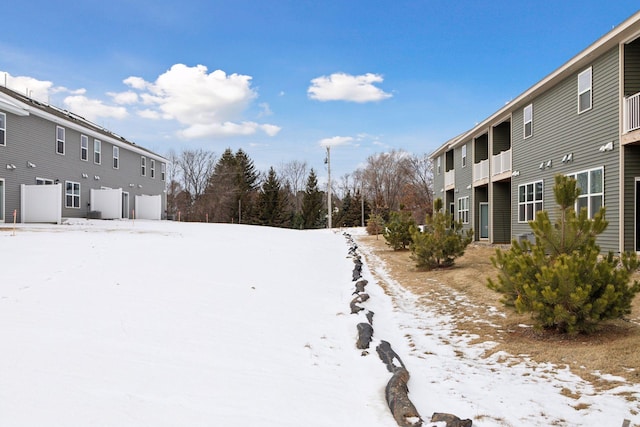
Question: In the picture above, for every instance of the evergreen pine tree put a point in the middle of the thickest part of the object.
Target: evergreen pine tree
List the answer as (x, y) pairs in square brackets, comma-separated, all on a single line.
[(271, 205), (562, 279), (312, 203), (397, 229), (441, 241)]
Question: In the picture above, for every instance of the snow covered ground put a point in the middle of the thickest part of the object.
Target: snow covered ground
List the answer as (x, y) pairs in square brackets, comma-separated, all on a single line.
[(120, 323)]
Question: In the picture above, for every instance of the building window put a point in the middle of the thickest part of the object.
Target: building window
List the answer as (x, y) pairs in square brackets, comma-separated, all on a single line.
[(528, 120), (97, 152), (591, 185), (463, 210), (438, 165), (3, 129), (584, 90), (60, 140), (116, 157), (163, 171), (143, 166), (152, 168), (84, 147), (529, 201), (72, 195), (464, 155), (44, 181)]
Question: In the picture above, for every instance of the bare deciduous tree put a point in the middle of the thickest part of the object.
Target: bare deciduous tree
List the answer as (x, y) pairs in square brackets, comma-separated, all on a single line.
[(294, 175), (385, 177)]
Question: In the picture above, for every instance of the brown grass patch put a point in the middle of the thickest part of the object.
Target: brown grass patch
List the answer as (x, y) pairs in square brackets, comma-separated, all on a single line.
[(613, 350)]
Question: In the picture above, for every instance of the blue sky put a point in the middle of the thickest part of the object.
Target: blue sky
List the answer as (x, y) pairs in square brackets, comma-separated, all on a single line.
[(280, 78)]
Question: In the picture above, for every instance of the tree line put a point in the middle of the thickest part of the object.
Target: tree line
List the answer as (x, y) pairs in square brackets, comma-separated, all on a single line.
[(229, 189)]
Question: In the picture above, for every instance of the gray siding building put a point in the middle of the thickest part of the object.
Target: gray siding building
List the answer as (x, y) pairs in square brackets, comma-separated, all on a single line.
[(44, 145), (583, 120)]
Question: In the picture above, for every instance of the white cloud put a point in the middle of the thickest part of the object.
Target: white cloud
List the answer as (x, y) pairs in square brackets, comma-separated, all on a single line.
[(34, 88), (345, 87), (335, 140), (128, 97), (149, 114), (92, 109), (208, 104), (265, 110)]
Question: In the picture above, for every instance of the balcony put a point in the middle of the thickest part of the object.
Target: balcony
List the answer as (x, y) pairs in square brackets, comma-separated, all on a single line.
[(481, 170), (501, 163), (450, 179), (631, 111)]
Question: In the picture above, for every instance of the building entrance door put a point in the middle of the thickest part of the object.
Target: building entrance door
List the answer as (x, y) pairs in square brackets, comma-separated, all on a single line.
[(484, 220)]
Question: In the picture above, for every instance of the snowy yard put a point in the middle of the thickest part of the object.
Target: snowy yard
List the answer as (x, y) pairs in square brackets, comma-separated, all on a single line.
[(118, 323)]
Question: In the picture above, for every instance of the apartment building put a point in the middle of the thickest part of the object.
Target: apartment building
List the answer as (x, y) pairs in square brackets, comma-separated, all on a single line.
[(582, 120), (55, 164)]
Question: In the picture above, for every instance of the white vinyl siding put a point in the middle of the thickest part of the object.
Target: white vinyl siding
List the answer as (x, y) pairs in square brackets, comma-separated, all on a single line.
[(463, 210), (584, 90), (97, 151), (3, 129), (529, 200), (60, 138), (591, 185), (84, 147), (528, 120), (72, 195)]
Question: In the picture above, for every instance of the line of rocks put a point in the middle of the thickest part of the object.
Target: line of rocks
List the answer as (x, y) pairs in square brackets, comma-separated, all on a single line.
[(396, 391)]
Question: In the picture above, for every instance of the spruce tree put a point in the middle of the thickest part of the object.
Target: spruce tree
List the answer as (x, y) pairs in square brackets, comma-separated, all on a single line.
[(272, 202), (312, 203), (562, 279)]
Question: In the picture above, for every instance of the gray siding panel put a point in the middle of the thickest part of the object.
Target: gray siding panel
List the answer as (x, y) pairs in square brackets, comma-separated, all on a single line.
[(558, 130)]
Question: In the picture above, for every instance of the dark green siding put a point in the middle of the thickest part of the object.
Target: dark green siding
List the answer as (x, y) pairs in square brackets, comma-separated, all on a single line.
[(632, 68), (631, 171)]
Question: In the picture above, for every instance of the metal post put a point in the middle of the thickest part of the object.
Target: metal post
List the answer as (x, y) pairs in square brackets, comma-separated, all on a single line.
[(329, 210)]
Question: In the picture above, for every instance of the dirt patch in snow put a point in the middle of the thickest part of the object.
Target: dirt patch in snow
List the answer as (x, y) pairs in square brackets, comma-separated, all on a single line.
[(607, 359)]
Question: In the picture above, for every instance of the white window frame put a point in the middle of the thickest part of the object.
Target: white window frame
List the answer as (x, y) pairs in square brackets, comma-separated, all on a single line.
[(44, 181), (464, 155), (586, 198), (163, 171), (439, 165), (116, 157), (60, 139), (84, 148), (72, 195), (463, 209), (585, 86), (143, 166), (97, 151), (3, 129), (152, 168), (527, 111), (531, 204)]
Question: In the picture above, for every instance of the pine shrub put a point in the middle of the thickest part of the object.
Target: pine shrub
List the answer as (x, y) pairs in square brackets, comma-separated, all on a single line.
[(441, 241), (562, 279), (397, 230), (375, 224)]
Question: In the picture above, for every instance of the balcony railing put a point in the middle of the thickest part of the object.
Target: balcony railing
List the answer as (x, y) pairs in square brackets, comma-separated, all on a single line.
[(450, 178), (481, 170), (632, 112), (501, 162)]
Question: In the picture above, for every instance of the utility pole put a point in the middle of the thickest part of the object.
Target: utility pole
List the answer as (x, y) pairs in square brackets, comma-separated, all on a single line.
[(329, 210), (362, 199)]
